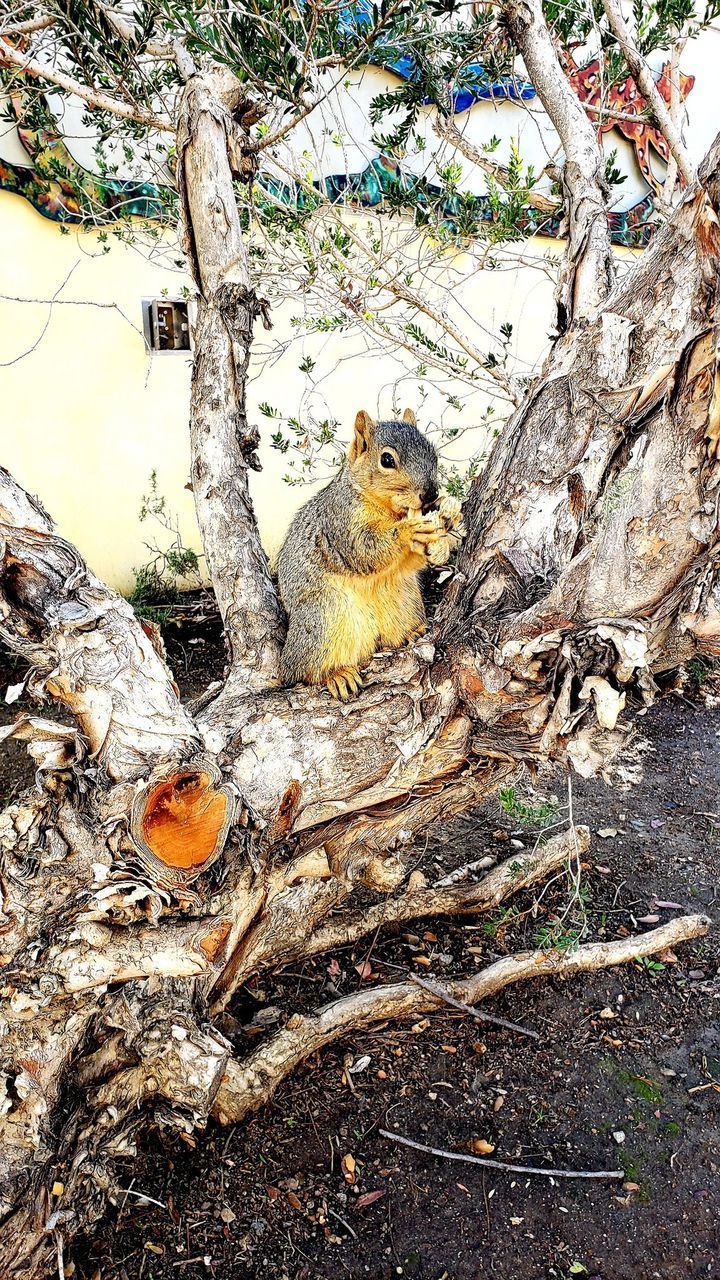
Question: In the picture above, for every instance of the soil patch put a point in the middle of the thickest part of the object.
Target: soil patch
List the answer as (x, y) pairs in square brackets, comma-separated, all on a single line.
[(626, 1073)]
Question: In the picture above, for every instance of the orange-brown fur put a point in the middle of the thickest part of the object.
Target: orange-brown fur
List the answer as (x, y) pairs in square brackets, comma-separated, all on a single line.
[(349, 568)]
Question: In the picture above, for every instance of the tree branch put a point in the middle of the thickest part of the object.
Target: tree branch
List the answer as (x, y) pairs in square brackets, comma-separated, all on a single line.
[(644, 79), (588, 269), (88, 649), (446, 129), (249, 1084), (518, 872), (222, 443), (10, 57), (29, 26)]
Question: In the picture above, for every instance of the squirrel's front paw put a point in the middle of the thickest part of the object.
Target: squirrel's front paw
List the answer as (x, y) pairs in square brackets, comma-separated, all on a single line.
[(438, 551), (450, 534), (345, 683), (419, 531), (450, 512)]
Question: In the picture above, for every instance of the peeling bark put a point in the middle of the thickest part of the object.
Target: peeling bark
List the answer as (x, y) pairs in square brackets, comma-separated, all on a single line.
[(85, 646), (163, 859), (587, 271), (210, 148)]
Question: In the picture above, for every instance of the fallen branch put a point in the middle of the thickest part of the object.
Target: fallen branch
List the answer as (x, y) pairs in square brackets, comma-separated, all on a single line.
[(470, 1009), (249, 1084), (614, 1174)]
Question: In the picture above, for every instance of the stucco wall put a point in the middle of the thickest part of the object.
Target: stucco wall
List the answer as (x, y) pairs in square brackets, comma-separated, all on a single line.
[(87, 414)]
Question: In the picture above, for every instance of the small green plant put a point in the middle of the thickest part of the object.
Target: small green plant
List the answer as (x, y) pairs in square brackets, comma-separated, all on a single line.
[(558, 937), (156, 582), (505, 916), (642, 1086), (699, 670), (653, 967), (543, 814)]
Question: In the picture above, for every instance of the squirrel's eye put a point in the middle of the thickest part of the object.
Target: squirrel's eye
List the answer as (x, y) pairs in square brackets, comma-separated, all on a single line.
[(387, 460)]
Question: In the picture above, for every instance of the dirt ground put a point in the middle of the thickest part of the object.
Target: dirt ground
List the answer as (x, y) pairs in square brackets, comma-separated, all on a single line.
[(625, 1074)]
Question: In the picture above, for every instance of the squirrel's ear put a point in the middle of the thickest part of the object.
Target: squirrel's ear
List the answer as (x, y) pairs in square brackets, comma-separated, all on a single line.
[(409, 416), (363, 434)]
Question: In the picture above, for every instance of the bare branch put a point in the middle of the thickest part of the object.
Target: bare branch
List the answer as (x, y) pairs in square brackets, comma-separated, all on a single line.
[(588, 269), (648, 88), (466, 1158), (249, 1084), (29, 26), (223, 444), (518, 872)]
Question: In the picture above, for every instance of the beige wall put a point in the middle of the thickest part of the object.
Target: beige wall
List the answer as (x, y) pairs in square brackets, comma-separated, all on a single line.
[(87, 414)]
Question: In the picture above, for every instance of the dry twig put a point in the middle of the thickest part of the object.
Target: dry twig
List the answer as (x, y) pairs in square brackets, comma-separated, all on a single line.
[(501, 1164)]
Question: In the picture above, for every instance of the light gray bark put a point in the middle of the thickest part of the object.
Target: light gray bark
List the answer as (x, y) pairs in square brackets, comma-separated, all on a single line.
[(583, 572), (660, 111), (587, 272), (223, 443)]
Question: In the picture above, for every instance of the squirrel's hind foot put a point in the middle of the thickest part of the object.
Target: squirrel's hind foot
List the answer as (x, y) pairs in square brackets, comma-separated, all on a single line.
[(345, 683)]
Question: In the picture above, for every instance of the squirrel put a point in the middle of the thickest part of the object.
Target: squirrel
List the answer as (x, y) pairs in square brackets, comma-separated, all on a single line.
[(348, 570)]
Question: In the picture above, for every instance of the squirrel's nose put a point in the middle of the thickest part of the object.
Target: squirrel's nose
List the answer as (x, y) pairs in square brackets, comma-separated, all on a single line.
[(429, 497)]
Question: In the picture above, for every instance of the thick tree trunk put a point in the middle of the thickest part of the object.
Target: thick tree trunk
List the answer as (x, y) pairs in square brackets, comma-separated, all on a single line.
[(164, 859)]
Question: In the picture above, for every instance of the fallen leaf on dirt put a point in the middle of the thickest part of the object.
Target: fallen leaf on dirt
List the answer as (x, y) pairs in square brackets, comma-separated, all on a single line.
[(154, 1248), (498, 1102), (348, 1166), (227, 1215), (421, 960), (416, 882), (476, 951), (651, 919), (369, 1197), (667, 906), (667, 956), (293, 1200), (430, 937), (448, 1048), (607, 1013), (360, 1065), (479, 1047), (364, 969), (273, 1192), (480, 1146), (607, 833), (334, 968), (631, 1186)]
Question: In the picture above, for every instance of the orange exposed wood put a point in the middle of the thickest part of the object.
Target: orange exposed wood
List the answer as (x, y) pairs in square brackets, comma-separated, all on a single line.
[(183, 818), (180, 820)]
